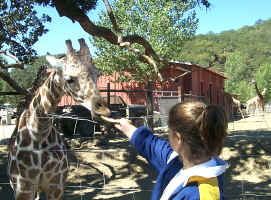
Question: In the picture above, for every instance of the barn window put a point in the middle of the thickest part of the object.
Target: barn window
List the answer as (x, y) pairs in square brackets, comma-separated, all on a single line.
[(187, 83), (211, 93), (217, 96), (201, 89)]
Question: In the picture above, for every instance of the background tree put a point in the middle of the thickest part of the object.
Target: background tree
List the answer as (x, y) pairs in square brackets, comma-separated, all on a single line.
[(165, 24), (235, 71), (24, 78), (21, 28), (263, 78)]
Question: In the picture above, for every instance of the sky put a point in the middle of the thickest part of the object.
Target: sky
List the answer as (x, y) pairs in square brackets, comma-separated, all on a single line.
[(221, 16)]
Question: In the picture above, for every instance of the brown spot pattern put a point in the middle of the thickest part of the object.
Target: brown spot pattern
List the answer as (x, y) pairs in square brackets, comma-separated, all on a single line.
[(52, 138), (43, 91), (57, 168), (50, 166), (65, 175), (59, 139), (59, 155), (26, 139), (25, 157), (35, 145), (56, 179), (44, 144), (13, 168), (33, 173), (45, 157), (57, 193), (35, 158), (57, 152), (18, 138), (13, 150), (26, 185), (45, 105), (22, 123), (22, 170), (13, 180), (64, 166), (35, 102), (49, 98)]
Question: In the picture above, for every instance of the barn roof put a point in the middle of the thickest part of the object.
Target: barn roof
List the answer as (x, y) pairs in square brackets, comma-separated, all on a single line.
[(187, 65)]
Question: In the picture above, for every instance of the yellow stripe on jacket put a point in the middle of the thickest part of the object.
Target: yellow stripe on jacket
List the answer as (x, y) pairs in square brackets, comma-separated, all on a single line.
[(208, 187)]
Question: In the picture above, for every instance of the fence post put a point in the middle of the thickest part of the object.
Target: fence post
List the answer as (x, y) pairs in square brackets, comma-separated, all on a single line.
[(108, 95), (181, 94), (149, 105)]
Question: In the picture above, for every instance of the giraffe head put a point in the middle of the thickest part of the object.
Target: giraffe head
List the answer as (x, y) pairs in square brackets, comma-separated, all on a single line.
[(79, 78), (264, 91)]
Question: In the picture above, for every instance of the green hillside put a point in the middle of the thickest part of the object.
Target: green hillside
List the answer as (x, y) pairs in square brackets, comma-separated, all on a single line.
[(242, 54)]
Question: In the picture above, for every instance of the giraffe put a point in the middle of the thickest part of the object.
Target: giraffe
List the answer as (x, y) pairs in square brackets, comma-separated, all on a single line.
[(228, 102), (25, 101), (37, 154), (257, 101), (236, 104)]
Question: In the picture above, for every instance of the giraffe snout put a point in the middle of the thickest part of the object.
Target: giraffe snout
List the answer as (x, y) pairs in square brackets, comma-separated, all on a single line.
[(100, 109)]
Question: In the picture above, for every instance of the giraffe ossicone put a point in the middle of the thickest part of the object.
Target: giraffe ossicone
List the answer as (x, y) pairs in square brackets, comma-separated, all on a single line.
[(37, 153)]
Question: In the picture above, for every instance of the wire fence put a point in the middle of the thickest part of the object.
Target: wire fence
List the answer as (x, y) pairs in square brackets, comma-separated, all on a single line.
[(106, 166)]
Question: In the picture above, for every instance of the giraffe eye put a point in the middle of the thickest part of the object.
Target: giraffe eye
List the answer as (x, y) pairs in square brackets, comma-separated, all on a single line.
[(70, 81), (98, 105)]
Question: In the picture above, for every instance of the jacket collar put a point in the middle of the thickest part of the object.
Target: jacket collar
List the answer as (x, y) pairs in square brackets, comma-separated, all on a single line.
[(201, 176)]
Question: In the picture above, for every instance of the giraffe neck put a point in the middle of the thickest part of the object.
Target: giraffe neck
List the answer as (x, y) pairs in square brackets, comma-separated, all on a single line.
[(257, 91), (45, 101)]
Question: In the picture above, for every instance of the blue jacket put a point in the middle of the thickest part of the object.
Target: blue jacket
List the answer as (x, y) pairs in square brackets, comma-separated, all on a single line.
[(157, 151)]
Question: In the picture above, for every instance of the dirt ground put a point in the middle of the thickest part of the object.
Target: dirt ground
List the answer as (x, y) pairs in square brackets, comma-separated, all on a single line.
[(115, 171)]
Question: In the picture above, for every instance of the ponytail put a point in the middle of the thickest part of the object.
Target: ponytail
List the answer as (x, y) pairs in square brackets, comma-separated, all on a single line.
[(213, 128)]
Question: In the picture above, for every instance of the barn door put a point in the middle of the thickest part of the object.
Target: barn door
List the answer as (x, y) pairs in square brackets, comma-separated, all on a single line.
[(165, 104)]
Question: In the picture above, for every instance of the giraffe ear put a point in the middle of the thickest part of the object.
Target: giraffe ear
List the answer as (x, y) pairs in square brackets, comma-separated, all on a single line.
[(55, 62)]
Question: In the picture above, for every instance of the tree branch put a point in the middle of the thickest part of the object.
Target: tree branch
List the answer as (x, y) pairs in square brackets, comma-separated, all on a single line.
[(113, 20), (97, 31), (180, 76), (38, 80), (13, 83), (18, 65)]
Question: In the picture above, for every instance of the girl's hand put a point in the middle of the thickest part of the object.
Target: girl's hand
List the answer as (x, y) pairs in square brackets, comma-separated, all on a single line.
[(126, 127)]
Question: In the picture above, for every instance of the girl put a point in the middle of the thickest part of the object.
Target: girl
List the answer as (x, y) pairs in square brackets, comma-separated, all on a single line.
[(188, 166)]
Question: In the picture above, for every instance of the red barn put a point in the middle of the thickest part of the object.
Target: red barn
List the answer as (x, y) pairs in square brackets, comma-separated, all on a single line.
[(199, 82)]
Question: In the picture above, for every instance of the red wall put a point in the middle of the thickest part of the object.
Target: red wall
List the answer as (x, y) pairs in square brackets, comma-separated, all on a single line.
[(208, 82), (198, 83)]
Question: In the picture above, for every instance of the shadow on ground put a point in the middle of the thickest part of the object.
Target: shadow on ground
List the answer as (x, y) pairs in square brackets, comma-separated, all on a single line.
[(5, 189), (248, 154), (115, 171)]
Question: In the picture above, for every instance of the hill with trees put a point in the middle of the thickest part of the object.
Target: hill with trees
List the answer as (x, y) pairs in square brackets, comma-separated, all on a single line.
[(242, 54)]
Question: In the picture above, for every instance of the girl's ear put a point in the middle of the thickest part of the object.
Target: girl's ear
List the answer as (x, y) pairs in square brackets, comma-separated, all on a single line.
[(179, 137)]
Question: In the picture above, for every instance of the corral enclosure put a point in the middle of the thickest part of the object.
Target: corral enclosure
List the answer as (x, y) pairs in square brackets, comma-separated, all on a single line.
[(114, 170)]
